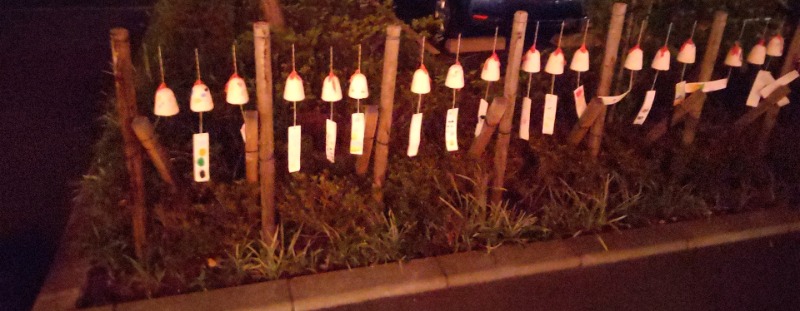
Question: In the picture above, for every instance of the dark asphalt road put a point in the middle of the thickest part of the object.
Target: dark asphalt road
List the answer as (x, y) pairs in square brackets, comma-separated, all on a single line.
[(51, 63), (755, 275)]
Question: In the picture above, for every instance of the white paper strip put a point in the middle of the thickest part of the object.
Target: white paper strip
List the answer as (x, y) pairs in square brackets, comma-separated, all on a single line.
[(716, 85), (680, 93), (763, 79), (201, 152), (295, 141), (783, 102), (610, 100), (330, 140), (694, 87), (549, 119), (786, 79), (580, 100), (357, 134), (451, 130), (484, 106), (525, 119), (414, 134), (645, 111)]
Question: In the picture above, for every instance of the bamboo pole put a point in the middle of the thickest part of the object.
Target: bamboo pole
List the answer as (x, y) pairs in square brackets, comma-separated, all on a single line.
[(266, 148), (251, 146), (706, 70), (762, 108), (370, 126), (607, 74), (272, 13), (126, 109), (494, 114), (510, 93), (771, 117), (146, 134), (793, 53), (388, 83)]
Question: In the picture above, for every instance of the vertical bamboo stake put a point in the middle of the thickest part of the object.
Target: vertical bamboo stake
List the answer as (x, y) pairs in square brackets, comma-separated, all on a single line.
[(370, 125), (272, 13), (126, 108), (251, 146), (158, 155), (510, 93), (388, 83), (607, 74), (771, 116), (706, 70), (266, 148)]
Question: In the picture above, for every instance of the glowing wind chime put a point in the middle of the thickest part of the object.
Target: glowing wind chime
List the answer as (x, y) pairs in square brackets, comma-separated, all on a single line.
[(200, 101), (165, 103), (775, 46), (580, 64), (489, 73), (531, 63), (358, 90), (420, 85), (455, 81), (555, 66), (331, 92), (686, 56), (294, 92), (661, 62), (633, 62)]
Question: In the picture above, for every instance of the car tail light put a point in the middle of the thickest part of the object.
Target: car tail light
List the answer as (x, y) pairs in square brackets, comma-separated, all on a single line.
[(480, 17)]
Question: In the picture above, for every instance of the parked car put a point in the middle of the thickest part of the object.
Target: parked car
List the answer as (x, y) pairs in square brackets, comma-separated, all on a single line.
[(478, 18)]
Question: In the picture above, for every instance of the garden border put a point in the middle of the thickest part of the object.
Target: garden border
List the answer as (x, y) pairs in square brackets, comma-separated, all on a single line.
[(337, 288)]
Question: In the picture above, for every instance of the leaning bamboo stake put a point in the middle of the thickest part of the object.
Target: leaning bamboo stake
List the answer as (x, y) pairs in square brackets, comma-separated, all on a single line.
[(392, 49), (706, 70), (793, 53), (370, 126), (266, 144), (251, 146), (158, 155), (126, 108), (771, 117), (272, 12), (494, 114), (510, 93)]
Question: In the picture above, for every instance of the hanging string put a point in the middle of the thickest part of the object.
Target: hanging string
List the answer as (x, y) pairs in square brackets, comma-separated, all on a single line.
[(358, 101), (294, 122), (666, 42), (294, 104), (331, 68), (161, 64), (691, 36), (530, 75), (458, 52), (585, 33), (421, 64), (235, 64), (553, 77), (197, 69), (494, 50)]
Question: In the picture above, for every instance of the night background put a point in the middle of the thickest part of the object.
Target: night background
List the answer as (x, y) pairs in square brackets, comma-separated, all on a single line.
[(54, 59)]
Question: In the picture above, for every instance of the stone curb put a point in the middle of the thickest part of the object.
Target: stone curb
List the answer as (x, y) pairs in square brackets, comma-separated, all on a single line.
[(338, 288)]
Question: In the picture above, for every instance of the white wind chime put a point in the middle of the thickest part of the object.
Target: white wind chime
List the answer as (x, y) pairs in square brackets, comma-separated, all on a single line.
[(200, 102), (531, 63), (555, 66), (294, 92), (580, 64), (490, 72), (358, 90), (661, 62), (455, 81), (420, 85), (687, 55), (331, 92)]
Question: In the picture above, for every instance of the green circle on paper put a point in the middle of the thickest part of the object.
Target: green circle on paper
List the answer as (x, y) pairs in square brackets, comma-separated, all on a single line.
[(201, 161)]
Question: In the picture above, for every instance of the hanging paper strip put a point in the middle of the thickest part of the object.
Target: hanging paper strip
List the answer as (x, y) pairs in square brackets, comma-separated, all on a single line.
[(295, 141), (330, 140), (610, 100), (525, 119), (484, 106), (645, 111), (549, 120), (580, 100), (680, 93), (201, 157), (716, 85), (414, 134), (786, 79), (763, 79), (244, 134), (451, 130), (357, 134)]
